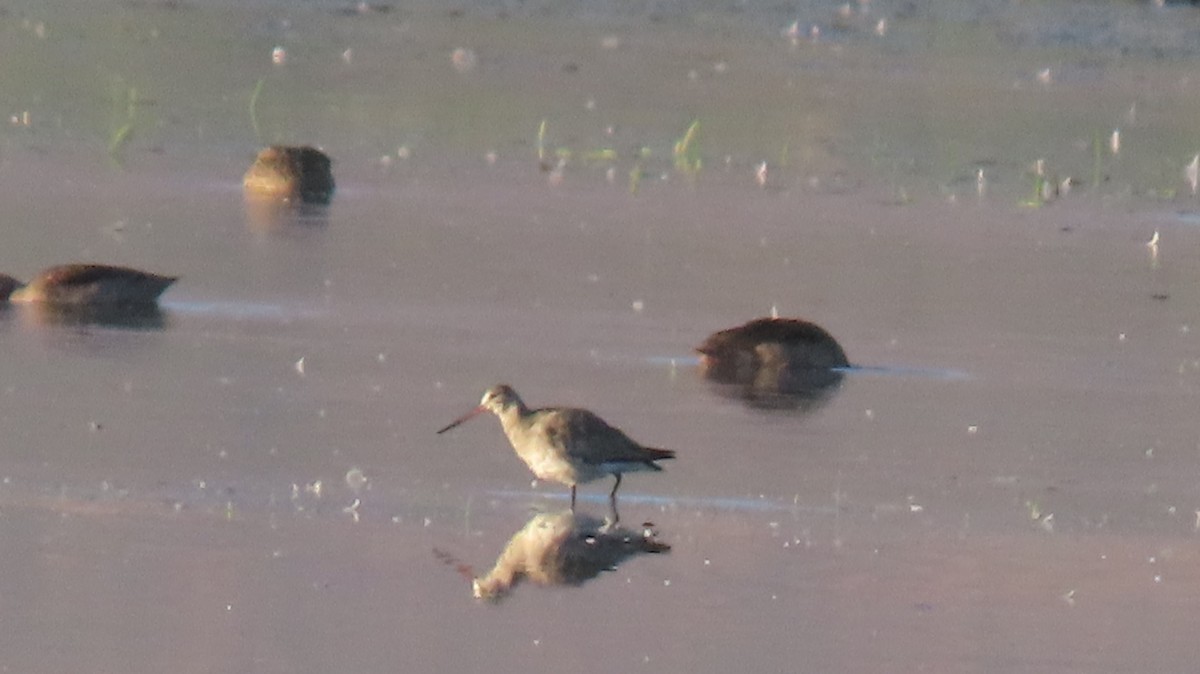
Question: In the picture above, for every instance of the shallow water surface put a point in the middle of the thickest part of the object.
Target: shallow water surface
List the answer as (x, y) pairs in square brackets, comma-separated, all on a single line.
[(250, 481)]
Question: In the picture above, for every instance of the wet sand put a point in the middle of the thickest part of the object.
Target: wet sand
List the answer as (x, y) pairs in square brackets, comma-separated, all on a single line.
[(252, 481)]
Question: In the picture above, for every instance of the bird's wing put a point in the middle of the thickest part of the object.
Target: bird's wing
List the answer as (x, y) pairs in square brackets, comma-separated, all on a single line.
[(590, 439)]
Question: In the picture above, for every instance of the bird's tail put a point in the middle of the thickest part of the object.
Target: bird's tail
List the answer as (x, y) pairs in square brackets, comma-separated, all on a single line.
[(655, 454)]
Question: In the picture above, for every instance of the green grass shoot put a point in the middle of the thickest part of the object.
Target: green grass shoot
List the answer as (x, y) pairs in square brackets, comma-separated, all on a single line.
[(258, 88), (541, 142), (635, 178), (125, 101), (687, 151)]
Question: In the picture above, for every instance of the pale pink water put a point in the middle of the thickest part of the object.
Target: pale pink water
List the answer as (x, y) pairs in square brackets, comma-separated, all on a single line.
[(1014, 490)]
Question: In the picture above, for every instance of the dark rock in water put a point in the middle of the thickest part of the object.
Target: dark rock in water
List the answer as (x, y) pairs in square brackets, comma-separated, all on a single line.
[(8, 284), (87, 285), (783, 363), (298, 174)]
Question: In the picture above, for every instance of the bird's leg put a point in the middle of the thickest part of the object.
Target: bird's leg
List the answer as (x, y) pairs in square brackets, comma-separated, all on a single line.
[(612, 501), (572, 498)]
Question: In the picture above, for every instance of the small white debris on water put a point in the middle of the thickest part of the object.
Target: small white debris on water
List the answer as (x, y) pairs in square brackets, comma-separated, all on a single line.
[(1192, 173), (881, 27), (1114, 143), (610, 42), (557, 174), (279, 56), (980, 183), (356, 479), (314, 488), (300, 366), (869, 414), (760, 174), (793, 33), (774, 311), (352, 509), (463, 59), (1044, 76), (348, 55), (1153, 242), (428, 522), (1121, 337), (972, 430), (1069, 597), (667, 582), (638, 306)]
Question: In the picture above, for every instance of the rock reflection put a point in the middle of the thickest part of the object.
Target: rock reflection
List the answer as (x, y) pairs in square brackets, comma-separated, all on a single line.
[(563, 549), (133, 317), (774, 363), (287, 218)]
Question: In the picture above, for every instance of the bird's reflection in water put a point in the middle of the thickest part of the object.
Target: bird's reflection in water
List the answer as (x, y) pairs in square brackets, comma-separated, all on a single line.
[(774, 363), (284, 218), (563, 548), (127, 316)]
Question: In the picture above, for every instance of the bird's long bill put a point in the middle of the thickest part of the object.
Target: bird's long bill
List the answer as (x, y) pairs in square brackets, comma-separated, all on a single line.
[(463, 418)]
